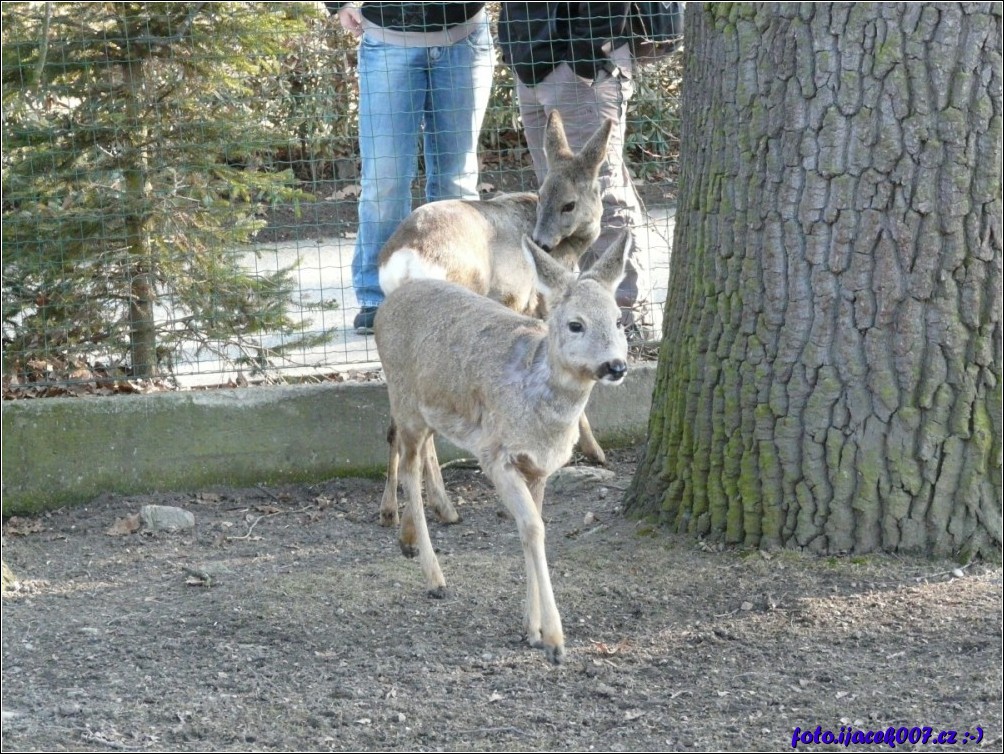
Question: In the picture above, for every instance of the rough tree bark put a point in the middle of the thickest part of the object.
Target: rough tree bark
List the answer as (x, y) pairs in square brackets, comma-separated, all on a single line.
[(831, 375)]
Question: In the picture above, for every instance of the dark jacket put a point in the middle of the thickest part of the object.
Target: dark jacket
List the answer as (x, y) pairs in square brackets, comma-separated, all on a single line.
[(536, 37), (415, 16)]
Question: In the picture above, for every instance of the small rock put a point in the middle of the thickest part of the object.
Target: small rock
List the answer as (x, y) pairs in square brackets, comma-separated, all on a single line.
[(604, 690), (165, 518), (589, 518), (746, 606), (401, 717), (575, 478), (206, 574), (957, 573)]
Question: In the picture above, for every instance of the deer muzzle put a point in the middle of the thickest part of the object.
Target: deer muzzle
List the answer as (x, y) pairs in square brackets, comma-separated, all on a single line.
[(612, 371), (545, 246)]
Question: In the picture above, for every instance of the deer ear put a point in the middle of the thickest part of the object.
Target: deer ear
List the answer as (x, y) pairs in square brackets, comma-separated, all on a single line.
[(608, 270), (555, 144), (594, 153), (553, 278)]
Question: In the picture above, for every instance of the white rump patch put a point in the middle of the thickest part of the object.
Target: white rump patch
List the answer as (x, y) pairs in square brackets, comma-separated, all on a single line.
[(408, 264)]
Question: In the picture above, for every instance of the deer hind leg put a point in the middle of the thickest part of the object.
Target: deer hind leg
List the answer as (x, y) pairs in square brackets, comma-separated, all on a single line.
[(388, 505), (434, 486), (587, 443), (414, 534), (541, 619)]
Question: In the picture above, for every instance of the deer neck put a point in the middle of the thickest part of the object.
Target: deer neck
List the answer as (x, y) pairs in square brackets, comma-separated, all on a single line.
[(571, 249), (550, 384)]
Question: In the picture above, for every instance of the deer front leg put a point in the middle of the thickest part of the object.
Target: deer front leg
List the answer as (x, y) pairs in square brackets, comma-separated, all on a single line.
[(587, 443), (414, 534), (536, 486), (531, 612), (541, 619), (438, 498), (388, 505)]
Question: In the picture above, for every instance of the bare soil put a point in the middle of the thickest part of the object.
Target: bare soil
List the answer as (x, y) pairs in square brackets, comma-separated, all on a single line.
[(288, 620)]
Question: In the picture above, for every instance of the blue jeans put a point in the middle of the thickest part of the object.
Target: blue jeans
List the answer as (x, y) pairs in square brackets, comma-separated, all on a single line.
[(440, 93)]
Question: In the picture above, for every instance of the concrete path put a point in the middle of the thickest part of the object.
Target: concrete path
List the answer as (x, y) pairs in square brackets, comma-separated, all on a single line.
[(323, 268)]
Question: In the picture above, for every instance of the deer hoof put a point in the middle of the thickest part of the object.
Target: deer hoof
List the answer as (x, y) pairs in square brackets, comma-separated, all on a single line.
[(408, 549), (595, 455), (438, 593), (389, 519), (555, 654)]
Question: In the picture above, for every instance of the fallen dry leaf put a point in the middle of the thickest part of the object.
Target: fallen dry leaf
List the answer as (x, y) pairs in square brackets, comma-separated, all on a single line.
[(349, 192), (18, 526), (268, 510), (124, 526), (602, 648)]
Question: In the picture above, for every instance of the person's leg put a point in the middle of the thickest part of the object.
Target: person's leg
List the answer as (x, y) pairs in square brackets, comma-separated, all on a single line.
[(533, 113), (584, 105), (460, 81), (391, 97)]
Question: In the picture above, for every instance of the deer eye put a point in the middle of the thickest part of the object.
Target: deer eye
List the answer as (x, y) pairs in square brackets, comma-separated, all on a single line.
[(574, 326), (569, 207)]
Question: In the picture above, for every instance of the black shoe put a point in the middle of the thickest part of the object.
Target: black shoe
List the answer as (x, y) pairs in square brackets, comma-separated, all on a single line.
[(364, 320)]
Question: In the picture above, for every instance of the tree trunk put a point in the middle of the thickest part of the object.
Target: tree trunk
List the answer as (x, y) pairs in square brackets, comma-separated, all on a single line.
[(831, 375), (142, 287)]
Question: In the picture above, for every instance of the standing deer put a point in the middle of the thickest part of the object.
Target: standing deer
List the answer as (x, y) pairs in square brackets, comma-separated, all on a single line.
[(507, 387), (478, 244)]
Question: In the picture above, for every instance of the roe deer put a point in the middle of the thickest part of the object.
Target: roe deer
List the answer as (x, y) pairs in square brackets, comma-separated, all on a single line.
[(509, 388), (478, 244)]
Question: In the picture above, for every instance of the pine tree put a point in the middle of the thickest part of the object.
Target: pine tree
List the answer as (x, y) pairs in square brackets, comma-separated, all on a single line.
[(130, 184)]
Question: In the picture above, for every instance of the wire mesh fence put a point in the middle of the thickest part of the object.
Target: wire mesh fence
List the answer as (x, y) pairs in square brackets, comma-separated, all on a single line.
[(188, 187)]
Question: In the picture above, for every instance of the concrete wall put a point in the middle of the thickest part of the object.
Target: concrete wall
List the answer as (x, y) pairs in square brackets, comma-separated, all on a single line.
[(58, 451)]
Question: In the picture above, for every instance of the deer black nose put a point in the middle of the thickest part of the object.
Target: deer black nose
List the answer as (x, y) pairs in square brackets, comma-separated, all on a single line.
[(613, 371), (544, 246)]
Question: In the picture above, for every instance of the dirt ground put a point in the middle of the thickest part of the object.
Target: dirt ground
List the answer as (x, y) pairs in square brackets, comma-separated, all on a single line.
[(288, 620)]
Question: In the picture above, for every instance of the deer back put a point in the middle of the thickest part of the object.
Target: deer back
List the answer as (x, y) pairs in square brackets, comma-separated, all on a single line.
[(475, 244), (478, 244)]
